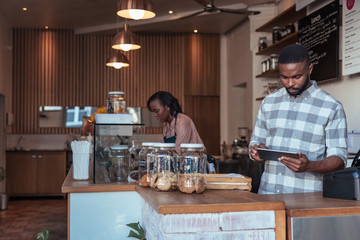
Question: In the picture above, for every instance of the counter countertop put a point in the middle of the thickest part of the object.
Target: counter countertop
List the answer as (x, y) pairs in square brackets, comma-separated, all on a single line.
[(71, 185), (213, 201)]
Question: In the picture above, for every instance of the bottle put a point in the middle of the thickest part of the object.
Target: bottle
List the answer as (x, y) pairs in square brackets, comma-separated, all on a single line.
[(116, 102), (134, 161), (164, 175), (192, 168), (119, 163), (146, 163)]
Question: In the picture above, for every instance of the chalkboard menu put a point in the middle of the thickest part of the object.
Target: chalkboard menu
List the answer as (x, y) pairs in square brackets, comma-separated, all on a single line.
[(319, 34)]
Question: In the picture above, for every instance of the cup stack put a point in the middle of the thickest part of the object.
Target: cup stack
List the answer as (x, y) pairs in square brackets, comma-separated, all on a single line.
[(81, 156)]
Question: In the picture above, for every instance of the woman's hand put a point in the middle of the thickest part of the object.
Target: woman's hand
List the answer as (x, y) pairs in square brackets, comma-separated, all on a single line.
[(253, 152)]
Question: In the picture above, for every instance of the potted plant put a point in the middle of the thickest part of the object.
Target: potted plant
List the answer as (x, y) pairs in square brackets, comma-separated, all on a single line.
[(3, 196)]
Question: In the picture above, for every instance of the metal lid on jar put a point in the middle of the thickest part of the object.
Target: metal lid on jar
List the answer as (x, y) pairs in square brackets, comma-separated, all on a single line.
[(116, 93), (192, 145), (274, 55), (119, 147), (164, 145), (147, 144)]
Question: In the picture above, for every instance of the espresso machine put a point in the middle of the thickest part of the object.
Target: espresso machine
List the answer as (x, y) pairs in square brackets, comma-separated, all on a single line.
[(240, 146)]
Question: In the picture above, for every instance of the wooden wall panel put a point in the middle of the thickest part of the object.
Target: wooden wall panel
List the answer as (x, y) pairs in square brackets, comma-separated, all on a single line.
[(56, 67), (202, 71), (204, 111)]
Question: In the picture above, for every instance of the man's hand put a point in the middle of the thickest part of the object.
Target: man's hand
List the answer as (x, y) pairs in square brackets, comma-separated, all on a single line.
[(253, 152), (296, 165)]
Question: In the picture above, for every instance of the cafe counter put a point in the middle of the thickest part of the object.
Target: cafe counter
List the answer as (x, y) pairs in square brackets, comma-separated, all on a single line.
[(101, 211)]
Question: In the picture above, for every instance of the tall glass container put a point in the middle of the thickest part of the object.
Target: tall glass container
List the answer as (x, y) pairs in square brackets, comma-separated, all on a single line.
[(119, 163), (164, 176), (146, 163), (192, 168), (116, 102)]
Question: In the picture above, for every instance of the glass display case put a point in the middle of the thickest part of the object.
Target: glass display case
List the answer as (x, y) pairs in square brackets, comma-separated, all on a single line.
[(110, 165)]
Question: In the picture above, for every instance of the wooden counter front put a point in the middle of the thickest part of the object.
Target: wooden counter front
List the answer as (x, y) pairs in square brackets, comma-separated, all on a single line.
[(211, 201)]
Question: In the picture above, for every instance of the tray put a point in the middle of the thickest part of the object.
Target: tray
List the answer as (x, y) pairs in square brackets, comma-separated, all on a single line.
[(228, 181)]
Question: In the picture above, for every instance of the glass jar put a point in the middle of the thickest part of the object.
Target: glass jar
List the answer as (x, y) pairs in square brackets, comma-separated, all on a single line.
[(119, 163), (274, 58), (134, 160), (192, 168), (276, 34), (164, 175), (116, 102), (146, 163), (290, 28), (262, 43)]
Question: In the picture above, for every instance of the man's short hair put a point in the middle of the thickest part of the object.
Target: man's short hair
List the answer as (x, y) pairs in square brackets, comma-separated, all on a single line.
[(294, 54)]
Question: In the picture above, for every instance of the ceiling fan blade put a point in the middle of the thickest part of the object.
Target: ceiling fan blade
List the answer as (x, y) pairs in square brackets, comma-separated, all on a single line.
[(190, 15), (203, 3), (238, 11)]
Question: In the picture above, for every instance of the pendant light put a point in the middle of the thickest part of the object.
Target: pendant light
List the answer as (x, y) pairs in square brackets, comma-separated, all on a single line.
[(135, 9), (117, 60), (125, 40)]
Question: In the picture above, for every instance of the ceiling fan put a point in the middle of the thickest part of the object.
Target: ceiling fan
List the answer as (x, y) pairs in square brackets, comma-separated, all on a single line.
[(210, 7)]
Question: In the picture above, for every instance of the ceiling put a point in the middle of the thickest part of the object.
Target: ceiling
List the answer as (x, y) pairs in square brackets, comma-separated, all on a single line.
[(99, 16)]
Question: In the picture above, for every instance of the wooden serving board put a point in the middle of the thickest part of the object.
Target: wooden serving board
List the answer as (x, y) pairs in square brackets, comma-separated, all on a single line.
[(228, 181)]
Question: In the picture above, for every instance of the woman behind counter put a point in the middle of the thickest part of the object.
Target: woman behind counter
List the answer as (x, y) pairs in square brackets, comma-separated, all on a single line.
[(178, 128)]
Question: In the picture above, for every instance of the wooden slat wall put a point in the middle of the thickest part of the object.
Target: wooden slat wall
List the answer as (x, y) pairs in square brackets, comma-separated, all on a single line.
[(60, 68), (202, 87), (56, 67)]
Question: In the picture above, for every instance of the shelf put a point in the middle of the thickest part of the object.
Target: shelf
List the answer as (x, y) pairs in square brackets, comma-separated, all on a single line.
[(259, 98), (269, 74), (241, 85), (279, 45), (290, 15)]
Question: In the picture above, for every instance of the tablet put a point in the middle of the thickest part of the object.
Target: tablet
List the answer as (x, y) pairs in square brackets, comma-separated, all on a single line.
[(273, 155)]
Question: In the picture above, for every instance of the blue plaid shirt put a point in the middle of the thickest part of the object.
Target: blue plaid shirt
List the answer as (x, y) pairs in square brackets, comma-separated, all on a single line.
[(313, 123)]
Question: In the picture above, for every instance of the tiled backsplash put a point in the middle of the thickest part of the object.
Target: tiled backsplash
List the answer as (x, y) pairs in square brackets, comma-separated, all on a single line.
[(55, 142)]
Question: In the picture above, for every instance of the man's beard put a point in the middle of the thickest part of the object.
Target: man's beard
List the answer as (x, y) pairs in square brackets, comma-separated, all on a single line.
[(299, 90)]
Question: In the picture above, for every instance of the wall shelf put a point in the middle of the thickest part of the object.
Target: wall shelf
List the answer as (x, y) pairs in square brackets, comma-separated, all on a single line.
[(290, 15), (269, 74), (259, 98), (279, 45)]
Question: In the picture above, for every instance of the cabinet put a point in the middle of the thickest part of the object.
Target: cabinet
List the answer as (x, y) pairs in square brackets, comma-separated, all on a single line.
[(290, 15), (35, 173)]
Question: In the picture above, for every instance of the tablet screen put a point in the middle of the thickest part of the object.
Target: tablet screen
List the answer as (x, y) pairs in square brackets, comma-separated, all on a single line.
[(273, 155)]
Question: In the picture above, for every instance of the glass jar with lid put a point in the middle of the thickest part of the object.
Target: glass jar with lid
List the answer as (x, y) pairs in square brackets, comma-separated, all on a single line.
[(274, 61), (262, 43), (192, 168), (116, 102), (164, 175), (277, 34), (146, 163), (119, 163)]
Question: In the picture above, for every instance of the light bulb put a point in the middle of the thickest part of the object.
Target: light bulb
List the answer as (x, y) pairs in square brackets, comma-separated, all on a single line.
[(136, 13), (118, 65), (125, 47)]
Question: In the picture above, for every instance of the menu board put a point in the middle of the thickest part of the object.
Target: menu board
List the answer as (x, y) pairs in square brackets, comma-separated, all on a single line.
[(351, 37), (319, 34)]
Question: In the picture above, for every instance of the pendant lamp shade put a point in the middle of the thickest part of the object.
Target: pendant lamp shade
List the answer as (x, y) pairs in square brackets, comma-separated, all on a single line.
[(125, 40), (117, 60), (135, 9)]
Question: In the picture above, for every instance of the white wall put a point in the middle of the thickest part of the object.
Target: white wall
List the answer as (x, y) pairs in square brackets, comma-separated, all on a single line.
[(236, 70), (238, 105)]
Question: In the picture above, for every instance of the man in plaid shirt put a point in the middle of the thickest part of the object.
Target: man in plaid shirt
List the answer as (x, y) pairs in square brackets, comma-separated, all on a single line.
[(300, 118)]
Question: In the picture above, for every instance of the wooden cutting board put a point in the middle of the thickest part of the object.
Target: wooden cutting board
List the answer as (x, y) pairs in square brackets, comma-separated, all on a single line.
[(228, 181)]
